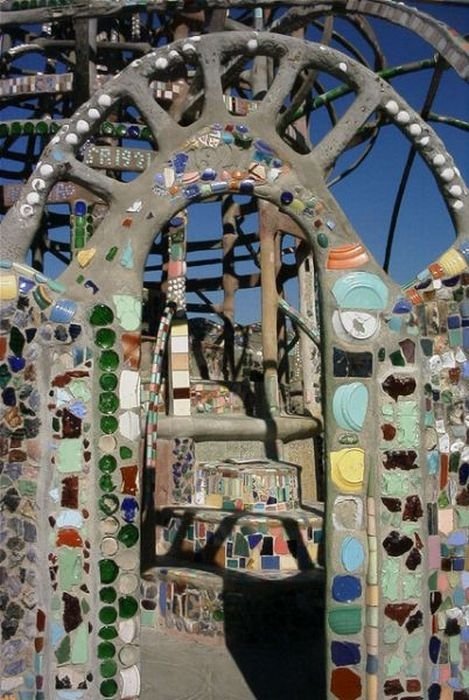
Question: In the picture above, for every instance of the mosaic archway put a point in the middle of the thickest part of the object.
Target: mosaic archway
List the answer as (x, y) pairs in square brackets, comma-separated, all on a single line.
[(72, 408)]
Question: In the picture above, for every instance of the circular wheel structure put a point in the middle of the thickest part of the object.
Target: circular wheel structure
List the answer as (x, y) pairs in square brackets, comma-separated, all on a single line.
[(130, 204), (55, 56)]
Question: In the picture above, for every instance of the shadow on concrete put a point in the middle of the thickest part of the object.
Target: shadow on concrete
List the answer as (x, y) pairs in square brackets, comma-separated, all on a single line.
[(273, 626)]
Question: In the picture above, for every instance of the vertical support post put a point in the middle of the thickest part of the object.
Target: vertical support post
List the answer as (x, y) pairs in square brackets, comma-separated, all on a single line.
[(310, 359), (85, 56), (230, 287), (269, 306)]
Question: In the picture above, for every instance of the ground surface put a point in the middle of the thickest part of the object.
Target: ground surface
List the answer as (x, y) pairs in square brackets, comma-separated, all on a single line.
[(175, 669)]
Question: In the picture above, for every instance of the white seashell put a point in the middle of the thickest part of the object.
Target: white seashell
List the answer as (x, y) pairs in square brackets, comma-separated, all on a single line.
[(392, 107)]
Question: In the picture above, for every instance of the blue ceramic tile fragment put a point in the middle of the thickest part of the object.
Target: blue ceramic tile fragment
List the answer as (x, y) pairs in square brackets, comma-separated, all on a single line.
[(457, 538), (346, 588), (352, 554), (345, 653), (372, 664), (271, 563)]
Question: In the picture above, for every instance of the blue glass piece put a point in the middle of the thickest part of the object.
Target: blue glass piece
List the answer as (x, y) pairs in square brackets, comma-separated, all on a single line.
[(16, 363), (463, 473), (345, 653), (346, 588), (26, 285), (179, 162), (402, 306), (208, 174), (74, 330), (451, 281), (5, 264), (159, 180), (133, 131), (176, 222), (242, 128), (30, 334), (286, 198), (91, 285), (129, 508), (254, 540), (192, 191), (80, 208), (246, 186), (434, 649), (263, 147), (9, 396)]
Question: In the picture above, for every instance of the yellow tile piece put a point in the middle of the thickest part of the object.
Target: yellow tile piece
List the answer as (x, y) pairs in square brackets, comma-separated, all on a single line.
[(8, 287), (85, 256)]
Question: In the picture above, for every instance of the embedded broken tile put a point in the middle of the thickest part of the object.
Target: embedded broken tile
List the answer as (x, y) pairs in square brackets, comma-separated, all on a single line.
[(129, 389), (129, 425)]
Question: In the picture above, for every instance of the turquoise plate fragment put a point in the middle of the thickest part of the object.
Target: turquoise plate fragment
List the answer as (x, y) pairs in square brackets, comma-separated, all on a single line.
[(350, 404), (360, 290)]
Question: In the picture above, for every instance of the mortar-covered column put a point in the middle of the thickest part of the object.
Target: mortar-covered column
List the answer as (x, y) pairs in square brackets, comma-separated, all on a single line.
[(269, 306)]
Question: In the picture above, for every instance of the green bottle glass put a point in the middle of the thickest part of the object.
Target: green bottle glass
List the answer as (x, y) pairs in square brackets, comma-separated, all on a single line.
[(105, 338), (128, 607), (108, 571), (128, 535), (107, 464), (101, 315), (108, 688), (106, 650), (108, 668)]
